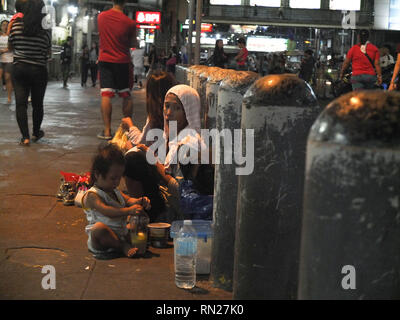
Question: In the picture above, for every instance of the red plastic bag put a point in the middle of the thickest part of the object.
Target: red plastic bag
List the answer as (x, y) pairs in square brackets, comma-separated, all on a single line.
[(70, 177)]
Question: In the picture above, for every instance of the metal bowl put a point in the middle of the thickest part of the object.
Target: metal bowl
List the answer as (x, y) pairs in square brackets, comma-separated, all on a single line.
[(159, 233)]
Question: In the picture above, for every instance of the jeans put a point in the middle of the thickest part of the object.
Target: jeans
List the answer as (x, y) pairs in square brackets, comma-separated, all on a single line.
[(29, 79), (93, 73), (363, 82), (65, 69), (84, 72)]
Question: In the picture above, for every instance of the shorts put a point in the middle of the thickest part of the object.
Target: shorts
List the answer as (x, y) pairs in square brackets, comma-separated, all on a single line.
[(114, 78), (363, 82), (99, 252), (7, 67)]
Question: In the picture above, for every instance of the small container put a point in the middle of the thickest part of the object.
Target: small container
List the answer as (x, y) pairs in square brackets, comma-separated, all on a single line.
[(159, 233), (203, 230), (139, 232)]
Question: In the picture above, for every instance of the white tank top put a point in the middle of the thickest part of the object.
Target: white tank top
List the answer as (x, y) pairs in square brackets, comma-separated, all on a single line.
[(118, 225), (8, 56)]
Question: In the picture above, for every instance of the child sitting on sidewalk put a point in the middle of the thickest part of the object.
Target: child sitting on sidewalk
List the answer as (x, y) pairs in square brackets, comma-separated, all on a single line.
[(107, 208)]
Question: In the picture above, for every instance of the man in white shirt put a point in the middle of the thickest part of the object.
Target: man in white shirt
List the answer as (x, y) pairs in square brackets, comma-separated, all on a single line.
[(137, 56), (386, 59)]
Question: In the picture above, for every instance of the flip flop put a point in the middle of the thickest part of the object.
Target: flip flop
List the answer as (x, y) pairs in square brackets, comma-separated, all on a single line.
[(23, 143), (104, 137), (38, 137)]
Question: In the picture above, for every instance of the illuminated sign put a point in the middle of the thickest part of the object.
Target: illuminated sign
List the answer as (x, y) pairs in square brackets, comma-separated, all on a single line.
[(141, 26), (145, 17), (206, 27), (266, 44)]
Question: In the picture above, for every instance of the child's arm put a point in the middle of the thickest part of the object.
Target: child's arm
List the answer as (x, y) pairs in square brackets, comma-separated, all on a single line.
[(143, 201), (93, 201)]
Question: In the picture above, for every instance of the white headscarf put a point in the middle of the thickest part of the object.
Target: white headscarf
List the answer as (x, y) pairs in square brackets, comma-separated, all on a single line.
[(190, 100)]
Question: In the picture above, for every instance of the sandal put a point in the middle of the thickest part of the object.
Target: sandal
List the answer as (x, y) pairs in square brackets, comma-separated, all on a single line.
[(23, 143), (104, 137), (38, 137)]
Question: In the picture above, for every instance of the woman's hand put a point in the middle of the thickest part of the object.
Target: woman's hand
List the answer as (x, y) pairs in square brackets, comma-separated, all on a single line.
[(142, 147), (126, 123), (392, 86), (143, 202)]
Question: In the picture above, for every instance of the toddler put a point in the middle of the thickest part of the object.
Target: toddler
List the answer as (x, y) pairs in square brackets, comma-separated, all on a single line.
[(107, 208)]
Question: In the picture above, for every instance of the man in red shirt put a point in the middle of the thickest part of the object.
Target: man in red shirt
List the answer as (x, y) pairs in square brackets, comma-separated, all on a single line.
[(117, 35), (366, 68), (241, 58)]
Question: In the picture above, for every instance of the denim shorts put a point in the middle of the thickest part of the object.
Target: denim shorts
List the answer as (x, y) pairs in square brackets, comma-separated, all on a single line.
[(363, 82)]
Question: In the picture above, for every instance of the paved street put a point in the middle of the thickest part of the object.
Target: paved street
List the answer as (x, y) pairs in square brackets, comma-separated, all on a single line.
[(36, 230)]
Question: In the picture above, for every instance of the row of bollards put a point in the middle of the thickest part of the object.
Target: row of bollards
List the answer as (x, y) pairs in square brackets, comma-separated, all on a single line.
[(311, 221)]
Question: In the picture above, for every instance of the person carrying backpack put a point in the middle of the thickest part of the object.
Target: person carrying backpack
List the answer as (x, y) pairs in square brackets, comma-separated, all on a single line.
[(366, 69)]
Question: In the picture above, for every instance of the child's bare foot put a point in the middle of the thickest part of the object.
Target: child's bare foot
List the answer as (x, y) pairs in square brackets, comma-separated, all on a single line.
[(130, 252)]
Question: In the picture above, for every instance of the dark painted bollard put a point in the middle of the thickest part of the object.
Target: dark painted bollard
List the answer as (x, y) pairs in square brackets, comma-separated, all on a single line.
[(350, 245), (281, 109), (181, 74), (229, 115), (212, 86)]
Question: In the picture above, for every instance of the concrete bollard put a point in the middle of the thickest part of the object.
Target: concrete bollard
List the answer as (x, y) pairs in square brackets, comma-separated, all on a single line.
[(350, 246), (212, 87), (194, 75), (201, 86), (181, 74), (229, 115), (281, 109)]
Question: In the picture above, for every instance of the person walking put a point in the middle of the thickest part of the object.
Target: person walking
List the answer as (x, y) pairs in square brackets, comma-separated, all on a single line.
[(93, 60), (66, 59), (6, 60), (364, 58), (138, 65), (241, 58), (32, 46), (84, 65), (220, 58), (153, 58), (307, 66), (117, 35)]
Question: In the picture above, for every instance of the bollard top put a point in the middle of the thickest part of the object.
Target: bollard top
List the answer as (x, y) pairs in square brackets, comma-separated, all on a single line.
[(281, 90), (219, 75), (197, 68), (204, 74), (239, 81), (360, 118)]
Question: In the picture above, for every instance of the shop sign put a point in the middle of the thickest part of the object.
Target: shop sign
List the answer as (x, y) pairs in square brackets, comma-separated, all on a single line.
[(146, 17)]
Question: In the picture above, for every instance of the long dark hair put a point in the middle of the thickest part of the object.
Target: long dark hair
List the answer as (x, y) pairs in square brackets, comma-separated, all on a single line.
[(33, 17), (137, 168), (217, 48), (157, 87)]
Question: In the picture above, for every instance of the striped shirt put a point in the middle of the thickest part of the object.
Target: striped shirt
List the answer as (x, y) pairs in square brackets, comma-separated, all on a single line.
[(29, 49)]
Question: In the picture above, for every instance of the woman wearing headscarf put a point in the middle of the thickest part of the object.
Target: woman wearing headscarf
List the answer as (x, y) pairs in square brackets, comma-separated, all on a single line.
[(183, 148)]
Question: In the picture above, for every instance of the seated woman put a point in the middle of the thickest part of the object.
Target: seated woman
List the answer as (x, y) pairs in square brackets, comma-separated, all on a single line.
[(156, 88), (182, 141)]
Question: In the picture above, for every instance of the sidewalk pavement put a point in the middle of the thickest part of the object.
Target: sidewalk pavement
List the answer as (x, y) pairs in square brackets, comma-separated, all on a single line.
[(36, 230)]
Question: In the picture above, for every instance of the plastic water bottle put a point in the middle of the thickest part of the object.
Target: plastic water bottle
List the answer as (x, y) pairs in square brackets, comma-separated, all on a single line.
[(185, 256)]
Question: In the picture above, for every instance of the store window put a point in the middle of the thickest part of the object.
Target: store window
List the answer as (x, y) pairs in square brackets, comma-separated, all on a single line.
[(224, 2), (309, 4), (265, 3), (353, 5)]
